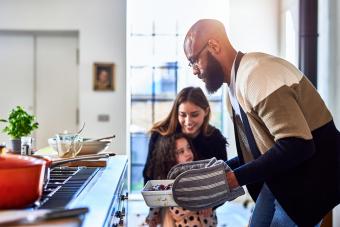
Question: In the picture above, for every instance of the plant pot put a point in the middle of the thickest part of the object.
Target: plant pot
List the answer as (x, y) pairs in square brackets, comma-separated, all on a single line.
[(15, 146)]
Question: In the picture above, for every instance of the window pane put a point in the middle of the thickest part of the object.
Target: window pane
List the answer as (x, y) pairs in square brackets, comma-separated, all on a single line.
[(141, 78), (137, 181), (216, 116), (139, 147), (165, 80), (165, 48), (162, 109), (142, 47), (141, 116), (139, 151)]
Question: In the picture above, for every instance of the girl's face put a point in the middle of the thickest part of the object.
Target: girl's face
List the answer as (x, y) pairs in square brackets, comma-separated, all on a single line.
[(183, 151), (191, 118)]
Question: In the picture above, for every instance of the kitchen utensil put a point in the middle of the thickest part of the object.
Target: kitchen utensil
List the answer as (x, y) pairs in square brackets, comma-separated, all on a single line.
[(50, 164), (21, 180), (103, 138), (34, 217), (102, 162), (83, 157), (82, 128)]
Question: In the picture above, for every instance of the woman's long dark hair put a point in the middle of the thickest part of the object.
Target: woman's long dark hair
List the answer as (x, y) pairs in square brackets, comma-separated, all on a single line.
[(194, 95), (164, 155)]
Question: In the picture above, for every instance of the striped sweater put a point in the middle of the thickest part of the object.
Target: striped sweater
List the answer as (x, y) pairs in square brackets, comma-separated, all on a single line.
[(294, 131)]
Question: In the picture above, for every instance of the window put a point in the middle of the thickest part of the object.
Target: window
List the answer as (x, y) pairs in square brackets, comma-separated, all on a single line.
[(158, 69), (289, 31)]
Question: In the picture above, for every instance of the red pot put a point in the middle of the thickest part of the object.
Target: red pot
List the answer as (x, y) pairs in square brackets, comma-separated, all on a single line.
[(21, 180)]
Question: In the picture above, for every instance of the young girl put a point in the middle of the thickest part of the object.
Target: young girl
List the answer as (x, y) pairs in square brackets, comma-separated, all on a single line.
[(172, 150)]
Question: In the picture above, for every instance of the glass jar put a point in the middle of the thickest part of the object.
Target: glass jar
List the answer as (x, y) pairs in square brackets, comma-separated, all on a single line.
[(26, 145), (2, 148)]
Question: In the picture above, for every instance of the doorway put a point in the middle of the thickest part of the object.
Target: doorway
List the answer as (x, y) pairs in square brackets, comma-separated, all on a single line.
[(39, 71)]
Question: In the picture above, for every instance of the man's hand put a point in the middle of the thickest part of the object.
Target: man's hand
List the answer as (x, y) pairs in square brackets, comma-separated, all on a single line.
[(231, 179)]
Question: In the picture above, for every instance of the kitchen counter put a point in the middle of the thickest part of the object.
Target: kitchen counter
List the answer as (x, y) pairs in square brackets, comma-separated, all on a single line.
[(102, 195)]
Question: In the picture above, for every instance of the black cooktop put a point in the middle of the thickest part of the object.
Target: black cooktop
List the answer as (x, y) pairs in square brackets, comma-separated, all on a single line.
[(65, 184)]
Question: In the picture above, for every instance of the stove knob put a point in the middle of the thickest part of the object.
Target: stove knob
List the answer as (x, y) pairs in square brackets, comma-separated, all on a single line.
[(124, 197)]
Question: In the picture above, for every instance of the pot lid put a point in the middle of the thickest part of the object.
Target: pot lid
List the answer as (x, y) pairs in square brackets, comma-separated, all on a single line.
[(14, 161)]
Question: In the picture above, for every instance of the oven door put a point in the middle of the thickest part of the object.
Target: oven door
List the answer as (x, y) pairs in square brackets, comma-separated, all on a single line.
[(120, 204)]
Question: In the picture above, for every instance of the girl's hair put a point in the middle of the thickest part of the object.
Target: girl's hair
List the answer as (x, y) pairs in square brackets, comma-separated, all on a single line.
[(194, 95), (164, 155)]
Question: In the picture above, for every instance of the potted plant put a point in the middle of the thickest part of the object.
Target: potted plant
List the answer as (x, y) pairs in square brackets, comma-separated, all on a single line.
[(19, 124)]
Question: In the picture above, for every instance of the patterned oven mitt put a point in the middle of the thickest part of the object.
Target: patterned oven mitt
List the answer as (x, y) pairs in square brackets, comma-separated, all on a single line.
[(202, 184), (180, 168)]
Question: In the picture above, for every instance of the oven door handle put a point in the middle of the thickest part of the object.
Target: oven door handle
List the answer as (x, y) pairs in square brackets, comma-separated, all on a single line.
[(119, 216)]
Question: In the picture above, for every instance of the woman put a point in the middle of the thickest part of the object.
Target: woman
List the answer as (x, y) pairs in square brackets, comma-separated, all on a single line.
[(190, 114)]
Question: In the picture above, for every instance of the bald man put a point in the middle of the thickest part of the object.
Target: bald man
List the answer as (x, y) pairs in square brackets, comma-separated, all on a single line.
[(288, 156)]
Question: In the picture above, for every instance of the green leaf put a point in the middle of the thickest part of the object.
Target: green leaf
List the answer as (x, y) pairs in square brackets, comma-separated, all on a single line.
[(19, 123)]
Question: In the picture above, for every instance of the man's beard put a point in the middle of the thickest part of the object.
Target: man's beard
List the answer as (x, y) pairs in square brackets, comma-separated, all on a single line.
[(213, 75)]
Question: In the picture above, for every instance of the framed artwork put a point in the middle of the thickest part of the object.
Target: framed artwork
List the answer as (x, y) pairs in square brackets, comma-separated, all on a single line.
[(103, 77)]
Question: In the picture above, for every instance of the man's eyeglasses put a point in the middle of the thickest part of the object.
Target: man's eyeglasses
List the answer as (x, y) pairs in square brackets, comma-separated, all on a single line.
[(193, 60)]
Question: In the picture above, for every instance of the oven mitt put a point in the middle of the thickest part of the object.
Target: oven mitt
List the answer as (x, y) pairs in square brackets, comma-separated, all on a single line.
[(202, 187), (180, 168)]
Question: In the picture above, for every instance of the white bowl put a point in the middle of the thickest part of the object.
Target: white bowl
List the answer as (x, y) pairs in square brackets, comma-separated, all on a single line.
[(91, 147), (161, 198)]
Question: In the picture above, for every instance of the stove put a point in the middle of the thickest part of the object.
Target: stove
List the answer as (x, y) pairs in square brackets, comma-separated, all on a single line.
[(64, 185), (103, 190)]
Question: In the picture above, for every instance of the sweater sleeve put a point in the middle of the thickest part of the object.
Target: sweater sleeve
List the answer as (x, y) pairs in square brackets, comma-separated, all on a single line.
[(152, 142), (233, 163), (286, 154)]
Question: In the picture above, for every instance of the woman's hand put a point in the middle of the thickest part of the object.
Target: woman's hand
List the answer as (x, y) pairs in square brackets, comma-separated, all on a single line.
[(206, 212)]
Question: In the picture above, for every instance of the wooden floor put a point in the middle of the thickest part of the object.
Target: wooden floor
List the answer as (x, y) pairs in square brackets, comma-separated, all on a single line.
[(231, 214)]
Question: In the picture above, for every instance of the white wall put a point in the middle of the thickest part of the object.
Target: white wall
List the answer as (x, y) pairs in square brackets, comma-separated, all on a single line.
[(102, 38), (254, 25)]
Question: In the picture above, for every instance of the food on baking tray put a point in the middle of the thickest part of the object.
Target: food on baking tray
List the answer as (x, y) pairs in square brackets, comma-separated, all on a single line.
[(158, 193), (160, 187)]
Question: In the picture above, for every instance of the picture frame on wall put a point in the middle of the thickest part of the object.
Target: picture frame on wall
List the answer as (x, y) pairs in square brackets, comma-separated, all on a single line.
[(103, 76)]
